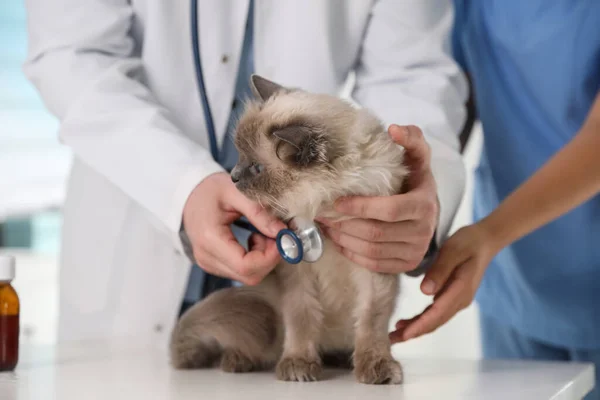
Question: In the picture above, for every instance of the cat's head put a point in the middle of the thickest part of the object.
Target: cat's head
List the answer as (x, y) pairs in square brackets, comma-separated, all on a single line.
[(299, 151)]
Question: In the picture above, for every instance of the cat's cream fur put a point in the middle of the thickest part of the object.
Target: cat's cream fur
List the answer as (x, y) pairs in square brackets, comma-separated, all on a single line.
[(299, 152)]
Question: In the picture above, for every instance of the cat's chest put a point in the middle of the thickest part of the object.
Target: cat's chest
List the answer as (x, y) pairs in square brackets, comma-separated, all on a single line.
[(330, 277)]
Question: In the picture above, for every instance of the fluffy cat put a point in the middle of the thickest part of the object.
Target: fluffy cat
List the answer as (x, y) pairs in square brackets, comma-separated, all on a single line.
[(298, 153)]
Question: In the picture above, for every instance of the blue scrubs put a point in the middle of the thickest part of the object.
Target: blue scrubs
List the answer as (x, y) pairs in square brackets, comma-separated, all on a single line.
[(535, 68)]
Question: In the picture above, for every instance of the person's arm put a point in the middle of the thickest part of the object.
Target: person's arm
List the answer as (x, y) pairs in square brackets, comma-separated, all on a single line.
[(567, 180), (82, 61), (570, 178), (406, 76), (85, 65)]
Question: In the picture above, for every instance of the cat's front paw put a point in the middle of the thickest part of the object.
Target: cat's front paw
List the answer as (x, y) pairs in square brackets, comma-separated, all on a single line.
[(377, 370), (234, 361), (298, 369)]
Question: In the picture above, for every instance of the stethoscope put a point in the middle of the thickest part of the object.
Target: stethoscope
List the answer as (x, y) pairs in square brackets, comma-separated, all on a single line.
[(302, 240)]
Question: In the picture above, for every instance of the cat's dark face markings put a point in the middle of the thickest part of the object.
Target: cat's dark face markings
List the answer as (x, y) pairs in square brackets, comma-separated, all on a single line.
[(277, 146)]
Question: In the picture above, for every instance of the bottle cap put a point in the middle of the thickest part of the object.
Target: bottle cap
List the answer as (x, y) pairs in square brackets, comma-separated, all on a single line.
[(7, 267)]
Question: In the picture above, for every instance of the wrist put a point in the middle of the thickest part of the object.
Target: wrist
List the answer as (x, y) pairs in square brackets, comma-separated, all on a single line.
[(189, 211), (494, 234), (205, 187)]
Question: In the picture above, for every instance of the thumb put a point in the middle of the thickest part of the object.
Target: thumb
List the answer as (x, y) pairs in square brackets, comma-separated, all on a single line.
[(439, 273), (266, 223), (411, 138), (257, 242)]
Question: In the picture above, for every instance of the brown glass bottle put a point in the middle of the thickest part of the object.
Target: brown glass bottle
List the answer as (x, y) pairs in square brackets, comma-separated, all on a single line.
[(9, 316)]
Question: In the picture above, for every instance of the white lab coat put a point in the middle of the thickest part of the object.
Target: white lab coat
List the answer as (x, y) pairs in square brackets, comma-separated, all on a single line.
[(119, 74)]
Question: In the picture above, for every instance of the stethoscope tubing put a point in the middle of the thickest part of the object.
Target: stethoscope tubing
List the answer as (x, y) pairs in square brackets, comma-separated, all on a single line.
[(208, 116)]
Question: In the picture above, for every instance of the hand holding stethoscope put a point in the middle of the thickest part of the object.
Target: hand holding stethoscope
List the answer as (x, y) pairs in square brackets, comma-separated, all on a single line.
[(301, 241)]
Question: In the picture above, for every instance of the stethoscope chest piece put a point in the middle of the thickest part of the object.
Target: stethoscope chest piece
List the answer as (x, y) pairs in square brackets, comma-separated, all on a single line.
[(302, 241)]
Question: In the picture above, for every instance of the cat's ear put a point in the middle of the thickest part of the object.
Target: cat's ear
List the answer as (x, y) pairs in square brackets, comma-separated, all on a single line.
[(300, 145), (264, 88)]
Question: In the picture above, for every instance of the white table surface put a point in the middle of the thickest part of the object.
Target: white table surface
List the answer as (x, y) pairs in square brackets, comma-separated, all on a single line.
[(138, 370)]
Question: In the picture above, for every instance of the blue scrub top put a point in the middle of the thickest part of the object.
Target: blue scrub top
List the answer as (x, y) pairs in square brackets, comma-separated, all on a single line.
[(535, 67)]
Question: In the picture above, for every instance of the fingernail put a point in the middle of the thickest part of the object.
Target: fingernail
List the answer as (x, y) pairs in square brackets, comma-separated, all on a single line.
[(401, 129), (428, 286)]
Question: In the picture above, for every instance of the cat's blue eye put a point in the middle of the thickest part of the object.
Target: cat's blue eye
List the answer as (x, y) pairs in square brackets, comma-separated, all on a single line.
[(256, 169)]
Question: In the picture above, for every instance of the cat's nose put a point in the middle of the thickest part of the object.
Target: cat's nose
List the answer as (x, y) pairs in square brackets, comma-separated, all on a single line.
[(235, 174)]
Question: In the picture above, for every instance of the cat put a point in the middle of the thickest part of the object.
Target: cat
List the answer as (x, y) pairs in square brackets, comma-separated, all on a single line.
[(298, 153)]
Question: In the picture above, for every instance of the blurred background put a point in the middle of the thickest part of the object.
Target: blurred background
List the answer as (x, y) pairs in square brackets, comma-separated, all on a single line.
[(33, 173)]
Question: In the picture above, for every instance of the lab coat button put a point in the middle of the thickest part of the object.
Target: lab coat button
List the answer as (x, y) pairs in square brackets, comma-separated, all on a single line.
[(158, 328), (224, 58)]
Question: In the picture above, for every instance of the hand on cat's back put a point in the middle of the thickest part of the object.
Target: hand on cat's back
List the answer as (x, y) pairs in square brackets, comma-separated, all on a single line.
[(208, 213), (392, 234)]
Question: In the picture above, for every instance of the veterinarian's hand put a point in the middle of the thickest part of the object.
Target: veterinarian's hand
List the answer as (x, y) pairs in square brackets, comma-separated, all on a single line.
[(453, 279), (392, 233), (209, 211)]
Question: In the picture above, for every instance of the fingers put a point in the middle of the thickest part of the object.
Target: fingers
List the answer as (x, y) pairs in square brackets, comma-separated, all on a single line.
[(373, 250), (380, 232), (386, 266), (261, 261), (448, 260), (249, 267), (211, 264), (215, 248), (411, 138), (455, 252), (396, 335), (257, 215), (454, 299), (257, 242), (396, 208)]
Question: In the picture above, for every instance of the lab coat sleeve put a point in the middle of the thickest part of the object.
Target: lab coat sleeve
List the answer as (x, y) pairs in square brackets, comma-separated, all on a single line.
[(406, 75), (81, 59)]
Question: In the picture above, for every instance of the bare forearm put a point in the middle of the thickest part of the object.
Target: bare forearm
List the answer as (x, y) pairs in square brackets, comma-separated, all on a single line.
[(570, 178)]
